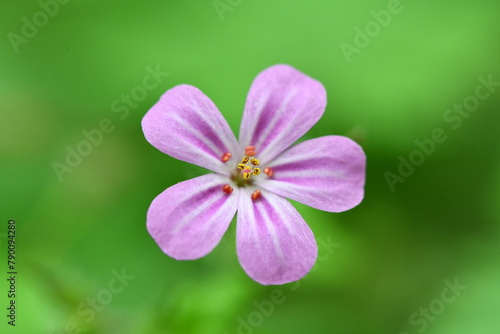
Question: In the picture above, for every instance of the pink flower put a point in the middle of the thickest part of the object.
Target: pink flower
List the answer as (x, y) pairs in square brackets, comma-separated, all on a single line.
[(253, 175)]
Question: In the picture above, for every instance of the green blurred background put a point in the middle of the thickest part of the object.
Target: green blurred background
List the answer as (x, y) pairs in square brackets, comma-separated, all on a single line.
[(381, 264)]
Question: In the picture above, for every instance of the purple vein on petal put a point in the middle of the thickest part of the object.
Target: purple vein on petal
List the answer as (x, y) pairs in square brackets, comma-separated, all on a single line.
[(272, 124), (274, 243), (298, 165), (326, 173), (271, 229), (201, 197), (207, 131), (256, 127), (203, 142), (187, 125), (214, 202), (188, 219)]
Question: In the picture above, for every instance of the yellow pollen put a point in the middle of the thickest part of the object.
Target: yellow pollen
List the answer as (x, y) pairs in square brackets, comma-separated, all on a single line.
[(248, 167)]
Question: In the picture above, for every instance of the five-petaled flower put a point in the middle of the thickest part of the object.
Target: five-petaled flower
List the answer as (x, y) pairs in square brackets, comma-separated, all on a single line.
[(253, 175)]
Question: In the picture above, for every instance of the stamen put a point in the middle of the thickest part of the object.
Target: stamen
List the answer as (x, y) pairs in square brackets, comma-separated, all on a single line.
[(226, 156), (227, 189), (247, 168), (269, 171), (256, 195), (250, 150)]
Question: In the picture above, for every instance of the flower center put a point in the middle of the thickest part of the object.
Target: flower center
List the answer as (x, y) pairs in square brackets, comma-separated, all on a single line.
[(245, 170)]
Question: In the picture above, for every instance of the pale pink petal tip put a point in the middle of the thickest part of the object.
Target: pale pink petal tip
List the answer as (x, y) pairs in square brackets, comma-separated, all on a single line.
[(326, 173), (274, 243), (187, 125), (189, 219), (282, 105)]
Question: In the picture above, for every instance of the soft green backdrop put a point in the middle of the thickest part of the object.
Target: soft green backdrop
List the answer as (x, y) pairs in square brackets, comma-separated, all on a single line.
[(388, 258)]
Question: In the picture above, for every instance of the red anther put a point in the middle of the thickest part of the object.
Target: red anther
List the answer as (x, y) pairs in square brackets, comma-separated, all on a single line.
[(250, 150), (256, 195), (226, 156), (227, 189), (269, 171)]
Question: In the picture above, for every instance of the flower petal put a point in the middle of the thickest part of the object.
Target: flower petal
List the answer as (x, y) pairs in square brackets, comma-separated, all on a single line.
[(274, 243), (187, 125), (327, 173), (282, 105), (189, 219)]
